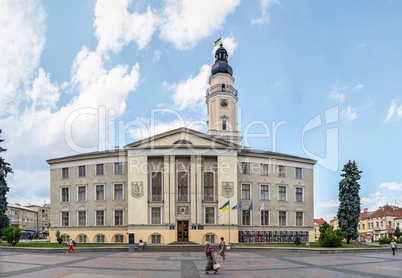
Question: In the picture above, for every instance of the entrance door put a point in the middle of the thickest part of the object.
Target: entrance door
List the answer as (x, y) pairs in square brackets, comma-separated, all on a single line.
[(182, 230)]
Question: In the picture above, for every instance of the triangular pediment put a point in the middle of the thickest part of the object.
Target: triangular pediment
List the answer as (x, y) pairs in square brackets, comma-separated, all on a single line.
[(181, 138)]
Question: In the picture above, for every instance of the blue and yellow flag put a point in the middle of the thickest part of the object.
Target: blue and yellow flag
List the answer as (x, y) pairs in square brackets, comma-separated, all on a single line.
[(224, 207), (218, 41)]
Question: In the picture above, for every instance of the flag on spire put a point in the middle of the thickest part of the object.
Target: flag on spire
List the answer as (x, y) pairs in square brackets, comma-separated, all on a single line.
[(250, 208), (224, 207), (238, 206), (218, 41)]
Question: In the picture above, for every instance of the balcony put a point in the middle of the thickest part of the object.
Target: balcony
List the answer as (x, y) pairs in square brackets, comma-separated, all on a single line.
[(222, 88)]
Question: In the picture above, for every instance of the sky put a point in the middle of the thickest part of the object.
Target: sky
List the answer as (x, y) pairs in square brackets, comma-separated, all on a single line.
[(316, 79)]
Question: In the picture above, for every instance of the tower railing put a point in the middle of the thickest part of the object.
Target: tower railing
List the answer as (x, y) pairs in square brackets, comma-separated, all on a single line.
[(222, 88)]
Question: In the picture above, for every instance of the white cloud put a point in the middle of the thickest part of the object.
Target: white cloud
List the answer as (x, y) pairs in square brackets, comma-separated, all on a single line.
[(379, 199), (392, 186), (358, 86), (157, 56), (186, 22), (43, 93), (116, 26), (190, 93), (21, 42), (229, 44), (337, 94), (394, 110), (349, 113), (264, 6)]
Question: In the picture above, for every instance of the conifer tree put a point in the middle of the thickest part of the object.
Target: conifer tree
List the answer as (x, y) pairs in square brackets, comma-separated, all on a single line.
[(349, 198), (4, 170)]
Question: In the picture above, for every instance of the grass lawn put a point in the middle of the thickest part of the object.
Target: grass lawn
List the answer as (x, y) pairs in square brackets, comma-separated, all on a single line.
[(45, 244), (302, 245)]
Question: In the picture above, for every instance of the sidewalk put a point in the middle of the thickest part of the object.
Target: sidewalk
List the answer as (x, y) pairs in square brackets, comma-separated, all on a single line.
[(239, 263)]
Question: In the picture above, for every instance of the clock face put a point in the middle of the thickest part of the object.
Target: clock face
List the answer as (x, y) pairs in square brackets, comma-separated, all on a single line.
[(224, 103)]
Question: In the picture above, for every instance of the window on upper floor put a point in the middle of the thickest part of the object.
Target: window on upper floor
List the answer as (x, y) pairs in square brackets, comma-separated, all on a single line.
[(245, 167), (264, 217), (264, 169), (209, 186), (299, 218), (245, 217), (282, 194), (82, 218), (65, 194), (100, 192), (182, 186), (82, 171), (298, 173), (264, 191), (299, 194), (64, 173), (100, 217), (118, 168), (65, 218), (100, 171), (82, 193), (156, 186), (209, 215), (282, 218), (118, 217), (281, 171), (245, 191), (118, 191), (156, 215)]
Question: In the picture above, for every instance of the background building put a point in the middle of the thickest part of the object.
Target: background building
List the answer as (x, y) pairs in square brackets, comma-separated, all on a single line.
[(184, 185)]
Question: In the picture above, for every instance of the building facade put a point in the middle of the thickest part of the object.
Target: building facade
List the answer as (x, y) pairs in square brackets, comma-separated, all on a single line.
[(25, 217), (184, 185)]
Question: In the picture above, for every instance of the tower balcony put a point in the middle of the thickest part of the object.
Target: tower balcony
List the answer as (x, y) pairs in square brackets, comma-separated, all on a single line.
[(221, 88)]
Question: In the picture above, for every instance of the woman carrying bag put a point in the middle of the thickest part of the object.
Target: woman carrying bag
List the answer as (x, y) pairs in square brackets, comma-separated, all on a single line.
[(210, 265)]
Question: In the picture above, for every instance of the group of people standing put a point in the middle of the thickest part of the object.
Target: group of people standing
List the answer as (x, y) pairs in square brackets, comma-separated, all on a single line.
[(211, 264)]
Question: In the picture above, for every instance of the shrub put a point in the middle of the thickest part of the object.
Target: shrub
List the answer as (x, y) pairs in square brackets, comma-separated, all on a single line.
[(330, 237), (297, 241), (384, 240), (58, 237), (12, 234)]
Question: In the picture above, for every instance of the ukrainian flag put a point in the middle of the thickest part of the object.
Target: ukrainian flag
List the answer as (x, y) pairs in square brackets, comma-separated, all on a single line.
[(218, 41), (224, 207)]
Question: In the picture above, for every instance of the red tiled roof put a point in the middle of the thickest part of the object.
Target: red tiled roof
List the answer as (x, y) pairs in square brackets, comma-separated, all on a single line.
[(319, 221), (387, 211)]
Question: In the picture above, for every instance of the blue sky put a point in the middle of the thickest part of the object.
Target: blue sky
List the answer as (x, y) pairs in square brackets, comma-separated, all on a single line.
[(317, 79)]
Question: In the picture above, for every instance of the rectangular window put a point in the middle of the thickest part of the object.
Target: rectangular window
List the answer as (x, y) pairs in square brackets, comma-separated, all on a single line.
[(118, 168), (209, 215), (99, 170), (156, 238), (82, 193), (182, 190), (245, 217), (299, 194), (82, 218), (100, 192), (245, 191), (156, 215), (65, 194), (264, 192), (264, 169), (245, 167), (64, 173), (210, 238), (282, 218), (81, 171), (100, 238), (209, 186), (118, 217), (65, 218), (118, 191), (156, 180), (265, 218), (281, 171), (82, 238), (118, 239), (298, 173), (282, 193), (100, 217), (299, 218)]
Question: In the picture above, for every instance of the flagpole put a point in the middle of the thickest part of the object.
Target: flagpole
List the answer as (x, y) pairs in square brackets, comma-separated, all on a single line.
[(229, 222)]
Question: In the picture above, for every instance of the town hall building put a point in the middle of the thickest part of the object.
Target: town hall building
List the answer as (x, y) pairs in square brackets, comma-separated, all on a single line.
[(185, 185)]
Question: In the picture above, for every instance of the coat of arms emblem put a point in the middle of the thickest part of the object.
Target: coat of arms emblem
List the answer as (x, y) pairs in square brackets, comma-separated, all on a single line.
[(227, 189), (137, 189)]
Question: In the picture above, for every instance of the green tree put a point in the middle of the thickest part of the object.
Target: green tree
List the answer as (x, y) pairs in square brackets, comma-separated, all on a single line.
[(58, 237), (349, 207), (4, 170), (13, 235), (330, 237), (397, 232)]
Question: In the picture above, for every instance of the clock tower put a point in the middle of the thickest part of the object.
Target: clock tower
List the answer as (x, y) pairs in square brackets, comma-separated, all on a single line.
[(222, 100)]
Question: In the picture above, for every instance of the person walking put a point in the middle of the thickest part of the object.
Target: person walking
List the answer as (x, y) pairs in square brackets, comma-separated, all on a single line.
[(222, 248), (393, 246), (209, 253), (71, 246)]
